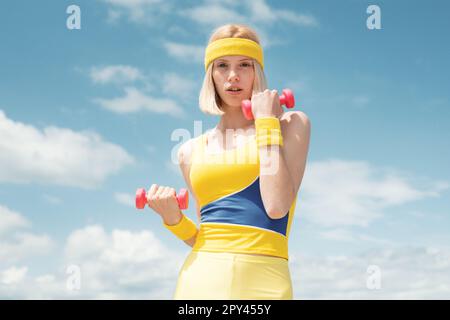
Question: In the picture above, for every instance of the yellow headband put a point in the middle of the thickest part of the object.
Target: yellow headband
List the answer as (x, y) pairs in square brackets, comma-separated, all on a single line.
[(233, 47)]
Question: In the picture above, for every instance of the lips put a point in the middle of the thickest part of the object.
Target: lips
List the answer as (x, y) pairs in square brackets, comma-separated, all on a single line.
[(234, 93), (234, 89)]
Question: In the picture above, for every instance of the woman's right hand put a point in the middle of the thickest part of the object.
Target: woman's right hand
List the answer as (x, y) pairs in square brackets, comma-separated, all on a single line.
[(164, 202)]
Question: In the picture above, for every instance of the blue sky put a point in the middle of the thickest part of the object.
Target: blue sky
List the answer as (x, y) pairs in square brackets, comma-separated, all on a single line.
[(86, 117)]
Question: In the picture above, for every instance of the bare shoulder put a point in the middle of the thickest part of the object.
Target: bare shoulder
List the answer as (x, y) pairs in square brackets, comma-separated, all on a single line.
[(185, 152), (295, 122)]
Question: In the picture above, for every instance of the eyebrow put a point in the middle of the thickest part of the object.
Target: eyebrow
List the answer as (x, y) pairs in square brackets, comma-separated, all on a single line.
[(245, 59)]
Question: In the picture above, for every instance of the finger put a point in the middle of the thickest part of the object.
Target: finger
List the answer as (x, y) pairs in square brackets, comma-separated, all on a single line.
[(280, 110), (150, 193), (172, 193), (164, 192), (168, 194), (158, 193), (157, 197), (152, 189)]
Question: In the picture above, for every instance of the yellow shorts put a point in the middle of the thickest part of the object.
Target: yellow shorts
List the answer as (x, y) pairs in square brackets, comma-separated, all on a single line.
[(224, 276)]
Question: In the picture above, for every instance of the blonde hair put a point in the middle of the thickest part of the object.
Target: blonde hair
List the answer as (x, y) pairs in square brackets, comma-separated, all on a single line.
[(209, 100)]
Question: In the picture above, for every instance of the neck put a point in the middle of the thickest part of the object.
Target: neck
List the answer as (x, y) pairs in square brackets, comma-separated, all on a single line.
[(234, 119)]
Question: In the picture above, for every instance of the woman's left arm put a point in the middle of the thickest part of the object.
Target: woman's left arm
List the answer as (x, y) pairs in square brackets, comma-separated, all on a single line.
[(279, 188)]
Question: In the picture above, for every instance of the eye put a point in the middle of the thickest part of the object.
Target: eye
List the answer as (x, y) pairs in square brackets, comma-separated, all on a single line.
[(246, 64), (221, 65)]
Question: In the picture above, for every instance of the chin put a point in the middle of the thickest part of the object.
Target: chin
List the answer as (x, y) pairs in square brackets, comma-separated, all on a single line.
[(233, 104)]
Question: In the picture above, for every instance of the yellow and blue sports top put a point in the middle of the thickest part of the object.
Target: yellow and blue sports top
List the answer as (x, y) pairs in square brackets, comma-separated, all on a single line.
[(232, 214)]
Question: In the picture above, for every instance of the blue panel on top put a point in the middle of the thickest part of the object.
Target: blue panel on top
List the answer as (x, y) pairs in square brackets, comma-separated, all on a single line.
[(243, 208)]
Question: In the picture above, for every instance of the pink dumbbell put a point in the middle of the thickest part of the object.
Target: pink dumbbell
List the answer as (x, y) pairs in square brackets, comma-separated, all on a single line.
[(182, 198), (286, 98)]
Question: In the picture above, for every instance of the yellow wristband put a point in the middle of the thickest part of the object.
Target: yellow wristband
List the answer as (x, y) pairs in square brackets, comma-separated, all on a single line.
[(268, 131), (185, 229), (269, 139), (267, 123)]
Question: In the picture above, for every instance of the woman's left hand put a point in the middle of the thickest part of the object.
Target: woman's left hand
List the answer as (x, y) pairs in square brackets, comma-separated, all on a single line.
[(266, 104)]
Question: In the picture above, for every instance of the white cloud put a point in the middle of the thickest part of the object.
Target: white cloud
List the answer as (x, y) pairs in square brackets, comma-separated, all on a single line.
[(20, 284), (212, 14), (305, 20), (22, 245), (125, 199), (122, 264), (137, 101), (45, 279), (345, 235), (179, 86), (86, 242), (257, 14), (178, 31), (15, 244), (338, 234), (184, 52), (52, 199), (140, 11), (261, 12), (113, 15), (215, 13), (117, 265), (13, 275), (338, 193), (127, 265), (115, 74), (405, 273), (57, 156), (10, 220)]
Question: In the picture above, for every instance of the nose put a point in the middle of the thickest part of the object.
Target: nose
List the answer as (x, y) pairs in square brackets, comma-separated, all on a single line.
[(233, 76)]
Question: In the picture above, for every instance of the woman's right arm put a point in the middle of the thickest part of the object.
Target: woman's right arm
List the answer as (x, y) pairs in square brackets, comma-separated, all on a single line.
[(184, 160)]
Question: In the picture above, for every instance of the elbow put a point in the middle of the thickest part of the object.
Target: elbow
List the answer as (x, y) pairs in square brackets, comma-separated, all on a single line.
[(276, 213), (279, 211)]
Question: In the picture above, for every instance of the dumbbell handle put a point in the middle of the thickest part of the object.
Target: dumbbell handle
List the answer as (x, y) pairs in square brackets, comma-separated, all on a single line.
[(182, 198), (286, 98)]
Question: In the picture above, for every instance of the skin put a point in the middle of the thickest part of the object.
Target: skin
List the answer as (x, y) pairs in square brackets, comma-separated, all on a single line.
[(279, 189)]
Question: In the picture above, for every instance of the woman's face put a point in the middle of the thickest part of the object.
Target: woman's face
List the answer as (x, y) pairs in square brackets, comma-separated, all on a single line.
[(233, 72)]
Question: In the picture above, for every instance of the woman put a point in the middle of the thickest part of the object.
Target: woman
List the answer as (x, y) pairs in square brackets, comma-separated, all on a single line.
[(245, 207)]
